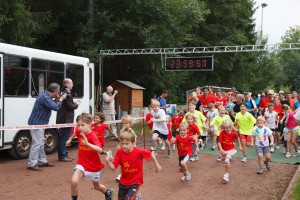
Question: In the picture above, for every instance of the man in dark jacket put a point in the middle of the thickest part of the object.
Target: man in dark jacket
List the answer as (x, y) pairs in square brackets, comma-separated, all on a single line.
[(65, 115)]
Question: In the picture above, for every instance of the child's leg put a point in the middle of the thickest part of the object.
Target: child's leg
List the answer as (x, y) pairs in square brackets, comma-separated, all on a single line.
[(183, 166), (166, 141), (277, 137), (260, 159), (77, 175), (99, 187), (288, 142), (154, 140), (214, 137), (268, 157), (227, 163), (294, 140), (243, 141)]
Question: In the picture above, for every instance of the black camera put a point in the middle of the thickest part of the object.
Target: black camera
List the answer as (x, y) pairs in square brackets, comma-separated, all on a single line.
[(67, 94)]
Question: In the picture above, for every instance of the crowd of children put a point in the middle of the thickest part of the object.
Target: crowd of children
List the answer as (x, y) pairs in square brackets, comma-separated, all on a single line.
[(267, 125)]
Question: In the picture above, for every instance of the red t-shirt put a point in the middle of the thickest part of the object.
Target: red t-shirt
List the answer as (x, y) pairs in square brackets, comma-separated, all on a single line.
[(176, 122), (87, 157), (278, 109), (99, 130), (227, 140), (206, 100), (264, 103), (184, 145), (132, 165), (148, 117), (193, 130), (170, 132), (220, 102)]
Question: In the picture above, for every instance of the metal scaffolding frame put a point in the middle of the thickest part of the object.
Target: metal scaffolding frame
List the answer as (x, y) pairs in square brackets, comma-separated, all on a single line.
[(190, 50), (200, 50)]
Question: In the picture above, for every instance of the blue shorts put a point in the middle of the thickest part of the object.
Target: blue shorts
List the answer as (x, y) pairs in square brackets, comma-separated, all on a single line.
[(262, 150)]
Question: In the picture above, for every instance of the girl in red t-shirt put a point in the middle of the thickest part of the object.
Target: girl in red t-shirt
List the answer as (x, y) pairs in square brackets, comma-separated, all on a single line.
[(89, 164), (184, 144), (99, 127), (194, 132), (226, 145)]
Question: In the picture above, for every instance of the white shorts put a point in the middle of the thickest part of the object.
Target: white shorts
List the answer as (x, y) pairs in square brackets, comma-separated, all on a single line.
[(89, 176), (295, 129)]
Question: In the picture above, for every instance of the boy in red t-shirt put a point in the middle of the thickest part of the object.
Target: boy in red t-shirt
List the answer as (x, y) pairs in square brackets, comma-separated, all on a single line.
[(89, 164), (184, 145), (175, 120), (99, 127), (130, 159), (226, 145), (148, 119)]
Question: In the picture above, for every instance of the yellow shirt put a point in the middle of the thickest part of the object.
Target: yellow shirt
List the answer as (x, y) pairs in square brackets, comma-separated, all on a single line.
[(200, 118), (245, 122), (217, 121)]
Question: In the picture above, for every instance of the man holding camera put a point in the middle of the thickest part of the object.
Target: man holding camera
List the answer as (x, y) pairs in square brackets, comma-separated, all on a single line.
[(108, 107), (65, 115)]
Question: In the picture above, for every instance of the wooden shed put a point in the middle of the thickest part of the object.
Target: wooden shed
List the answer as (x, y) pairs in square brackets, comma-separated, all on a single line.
[(130, 95)]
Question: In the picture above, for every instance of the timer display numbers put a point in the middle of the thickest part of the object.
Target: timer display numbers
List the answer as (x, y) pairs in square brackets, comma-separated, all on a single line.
[(202, 63)]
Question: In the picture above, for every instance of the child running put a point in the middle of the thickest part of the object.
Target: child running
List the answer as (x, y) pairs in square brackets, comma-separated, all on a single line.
[(99, 127), (292, 132), (130, 158), (160, 128), (245, 122), (212, 112), (272, 121), (127, 123), (184, 145), (226, 145), (261, 136), (194, 132), (89, 164)]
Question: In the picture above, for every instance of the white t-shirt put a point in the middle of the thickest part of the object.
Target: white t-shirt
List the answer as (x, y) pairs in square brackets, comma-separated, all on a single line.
[(261, 136), (108, 107), (271, 119), (212, 114), (297, 115), (160, 126)]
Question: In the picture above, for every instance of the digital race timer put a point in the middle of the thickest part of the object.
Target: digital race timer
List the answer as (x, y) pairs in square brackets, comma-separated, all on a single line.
[(202, 63)]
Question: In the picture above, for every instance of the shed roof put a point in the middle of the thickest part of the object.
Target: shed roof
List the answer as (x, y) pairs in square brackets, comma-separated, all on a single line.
[(131, 85)]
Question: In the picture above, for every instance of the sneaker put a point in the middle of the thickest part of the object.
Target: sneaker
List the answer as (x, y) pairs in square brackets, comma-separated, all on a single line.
[(272, 149), (196, 158), (277, 147), (288, 154), (213, 147), (296, 154), (192, 159), (244, 159), (260, 170), (268, 166), (226, 178), (118, 178), (163, 148), (219, 159), (186, 177), (109, 194), (169, 153), (138, 197)]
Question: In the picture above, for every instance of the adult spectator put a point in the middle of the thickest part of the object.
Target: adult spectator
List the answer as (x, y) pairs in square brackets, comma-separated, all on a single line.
[(65, 115), (205, 99), (251, 105), (108, 107), (256, 99), (198, 91), (162, 100), (264, 103), (295, 95), (40, 115), (283, 99), (238, 103)]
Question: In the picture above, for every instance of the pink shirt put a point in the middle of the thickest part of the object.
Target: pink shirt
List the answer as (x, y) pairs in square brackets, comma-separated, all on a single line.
[(290, 121)]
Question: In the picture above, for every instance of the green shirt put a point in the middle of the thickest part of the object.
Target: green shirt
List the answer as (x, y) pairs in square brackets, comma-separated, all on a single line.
[(245, 122)]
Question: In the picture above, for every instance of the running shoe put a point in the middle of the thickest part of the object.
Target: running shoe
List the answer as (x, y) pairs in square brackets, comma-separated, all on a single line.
[(219, 159), (186, 177), (163, 148), (244, 159), (118, 178), (288, 154), (296, 154), (277, 147), (169, 153), (226, 177), (268, 166), (109, 194), (272, 149), (260, 170)]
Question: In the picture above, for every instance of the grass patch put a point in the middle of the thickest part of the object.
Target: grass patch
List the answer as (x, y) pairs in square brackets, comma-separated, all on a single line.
[(137, 127), (296, 190)]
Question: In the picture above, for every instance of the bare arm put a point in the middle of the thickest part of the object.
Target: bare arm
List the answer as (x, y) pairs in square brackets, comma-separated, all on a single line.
[(92, 146), (156, 164)]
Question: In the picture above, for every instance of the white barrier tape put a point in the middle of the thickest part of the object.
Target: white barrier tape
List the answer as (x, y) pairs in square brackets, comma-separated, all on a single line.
[(28, 127)]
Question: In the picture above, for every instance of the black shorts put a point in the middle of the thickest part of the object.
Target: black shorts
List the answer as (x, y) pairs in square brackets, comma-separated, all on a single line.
[(175, 132), (128, 192), (160, 135)]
